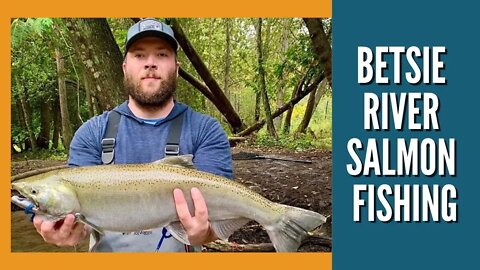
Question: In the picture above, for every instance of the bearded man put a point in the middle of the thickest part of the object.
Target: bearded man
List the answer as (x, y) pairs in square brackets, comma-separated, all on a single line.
[(144, 126)]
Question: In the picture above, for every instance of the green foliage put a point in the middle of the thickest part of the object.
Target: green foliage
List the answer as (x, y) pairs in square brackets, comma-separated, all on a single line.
[(19, 135), (322, 117), (42, 26), (34, 73), (319, 134), (119, 27), (287, 51), (297, 142)]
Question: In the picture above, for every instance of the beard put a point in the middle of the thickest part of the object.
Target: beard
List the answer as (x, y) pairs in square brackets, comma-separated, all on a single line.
[(157, 98)]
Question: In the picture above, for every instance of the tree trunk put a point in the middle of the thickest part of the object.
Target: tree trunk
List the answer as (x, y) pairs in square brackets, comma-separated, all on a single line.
[(307, 116), (210, 107), (313, 100), (57, 123), (43, 139), (24, 145), (222, 103), (321, 46), (62, 94), (28, 122), (257, 105), (282, 79), (262, 84), (27, 116), (102, 60), (295, 93), (88, 97), (228, 48), (79, 114), (323, 89)]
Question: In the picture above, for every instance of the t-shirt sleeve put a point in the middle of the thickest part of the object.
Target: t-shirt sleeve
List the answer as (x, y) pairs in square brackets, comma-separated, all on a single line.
[(213, 150), (85, 148)]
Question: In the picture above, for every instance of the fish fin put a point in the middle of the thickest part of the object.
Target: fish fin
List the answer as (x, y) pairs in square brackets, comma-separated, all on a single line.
[(97, 236), (184, 161), (81, 218), (97, 232), (288, 233), (176, 230), (224, 228)]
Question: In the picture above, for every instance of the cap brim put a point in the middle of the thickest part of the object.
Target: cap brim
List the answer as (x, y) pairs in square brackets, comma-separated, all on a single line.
[(144, 34)]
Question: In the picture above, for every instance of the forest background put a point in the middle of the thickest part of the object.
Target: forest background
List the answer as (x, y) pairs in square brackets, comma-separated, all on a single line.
[(268, 81)]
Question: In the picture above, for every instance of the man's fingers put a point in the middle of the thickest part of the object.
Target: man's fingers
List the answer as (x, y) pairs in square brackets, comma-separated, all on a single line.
[(78, 229), (78, 234), (45, 230), (201, 211), (182, 208), (46, 227), (197, 227), (37, 223), (65, 232), (66, 229)]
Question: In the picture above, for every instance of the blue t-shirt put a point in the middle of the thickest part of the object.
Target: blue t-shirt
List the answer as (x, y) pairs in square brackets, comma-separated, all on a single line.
[(140, 142)]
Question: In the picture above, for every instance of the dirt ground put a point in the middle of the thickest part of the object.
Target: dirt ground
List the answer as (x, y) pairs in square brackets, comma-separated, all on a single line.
[(300, 184)]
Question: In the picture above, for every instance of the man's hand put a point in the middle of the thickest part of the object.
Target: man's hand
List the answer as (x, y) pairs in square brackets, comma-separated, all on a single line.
[(66, 232), (197, 227)]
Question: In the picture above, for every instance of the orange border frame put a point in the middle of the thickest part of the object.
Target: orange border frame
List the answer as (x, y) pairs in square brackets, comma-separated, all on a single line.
[(110, 8)]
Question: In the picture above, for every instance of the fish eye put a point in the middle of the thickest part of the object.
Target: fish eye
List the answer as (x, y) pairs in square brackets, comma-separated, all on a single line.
[(34, 191)]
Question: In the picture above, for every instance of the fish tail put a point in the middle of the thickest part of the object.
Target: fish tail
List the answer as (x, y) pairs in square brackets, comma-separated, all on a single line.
[(288, 233)]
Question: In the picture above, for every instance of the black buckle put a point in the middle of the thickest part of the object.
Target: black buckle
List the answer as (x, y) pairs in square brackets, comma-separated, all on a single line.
[(172, 150), (108, 150), (108, 144)]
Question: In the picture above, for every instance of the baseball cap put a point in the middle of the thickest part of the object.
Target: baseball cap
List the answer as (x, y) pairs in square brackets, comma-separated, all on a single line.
[(147, 28)]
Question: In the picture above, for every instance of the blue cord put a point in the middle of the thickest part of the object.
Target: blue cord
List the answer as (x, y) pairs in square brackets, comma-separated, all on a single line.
[(29, 210), (164, 236)]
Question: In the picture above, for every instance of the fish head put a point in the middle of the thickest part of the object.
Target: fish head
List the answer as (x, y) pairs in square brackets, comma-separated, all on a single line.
[(54, 198)]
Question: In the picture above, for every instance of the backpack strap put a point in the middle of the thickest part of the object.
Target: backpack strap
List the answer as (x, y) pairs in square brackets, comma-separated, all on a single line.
[(172, 148), (108, 141)]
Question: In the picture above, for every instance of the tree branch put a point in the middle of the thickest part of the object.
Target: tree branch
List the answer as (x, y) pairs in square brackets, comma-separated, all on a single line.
[(222, 103), (197, 84), (258, 125), (321, 46)]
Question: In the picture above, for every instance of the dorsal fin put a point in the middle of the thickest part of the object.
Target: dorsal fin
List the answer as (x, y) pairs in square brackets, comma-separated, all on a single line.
[(184, 161)]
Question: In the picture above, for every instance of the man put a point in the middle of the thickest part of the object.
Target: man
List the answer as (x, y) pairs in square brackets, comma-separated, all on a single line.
[(150, 77)]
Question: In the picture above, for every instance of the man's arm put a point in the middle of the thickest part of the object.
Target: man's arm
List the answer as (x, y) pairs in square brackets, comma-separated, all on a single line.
[(85, 148), (212, 150)]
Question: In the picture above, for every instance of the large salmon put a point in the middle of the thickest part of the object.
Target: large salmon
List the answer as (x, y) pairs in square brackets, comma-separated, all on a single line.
[(134, 197)]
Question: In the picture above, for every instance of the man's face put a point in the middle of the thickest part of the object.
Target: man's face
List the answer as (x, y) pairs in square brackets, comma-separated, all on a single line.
[(150, 72)]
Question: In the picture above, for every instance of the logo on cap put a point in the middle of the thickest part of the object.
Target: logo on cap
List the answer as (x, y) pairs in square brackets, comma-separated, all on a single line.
[(150, 25)]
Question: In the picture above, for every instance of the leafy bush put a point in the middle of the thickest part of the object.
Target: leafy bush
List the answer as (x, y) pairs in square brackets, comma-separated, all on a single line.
[(294, 142)]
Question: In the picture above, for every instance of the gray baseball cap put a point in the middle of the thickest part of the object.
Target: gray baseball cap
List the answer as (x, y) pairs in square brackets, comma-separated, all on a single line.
[(148, 28)]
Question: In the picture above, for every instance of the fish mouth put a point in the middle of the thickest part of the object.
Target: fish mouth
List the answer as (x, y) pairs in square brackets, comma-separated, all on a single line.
[(24, 203), (21, 199)]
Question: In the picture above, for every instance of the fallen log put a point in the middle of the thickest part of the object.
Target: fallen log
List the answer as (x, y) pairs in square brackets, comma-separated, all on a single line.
[(248, 156), (235, 140), (225, 246)]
